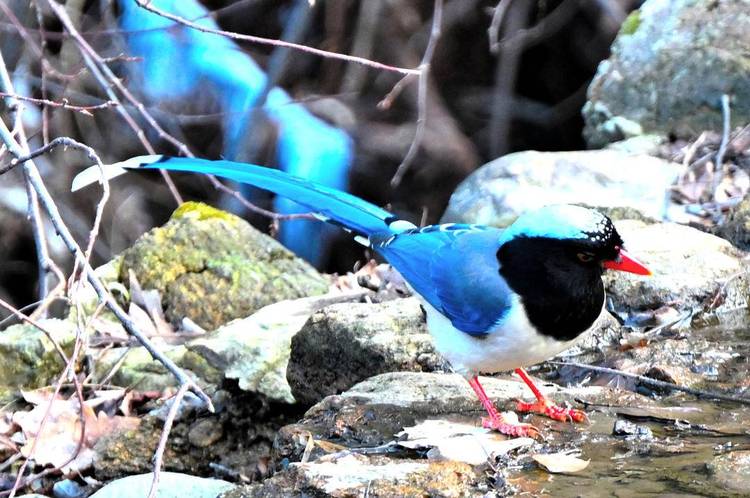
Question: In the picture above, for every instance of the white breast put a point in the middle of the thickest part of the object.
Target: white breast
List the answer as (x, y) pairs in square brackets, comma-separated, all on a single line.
[(514, 344)]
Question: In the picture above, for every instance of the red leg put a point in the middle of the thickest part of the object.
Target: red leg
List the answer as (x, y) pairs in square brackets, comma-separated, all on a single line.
[(496, 421), (546, 407)]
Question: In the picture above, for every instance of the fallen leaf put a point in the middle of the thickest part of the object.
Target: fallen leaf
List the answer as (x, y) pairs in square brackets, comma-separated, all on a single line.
[(61, 436), (461, 442), (561, 463)]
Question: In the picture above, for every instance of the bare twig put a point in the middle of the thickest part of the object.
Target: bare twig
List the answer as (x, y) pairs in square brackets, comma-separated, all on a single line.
[(278, 43), (159, 454), (726, 115), (424, 75), (498, 14), (44, 261), (51, 208), (656, 383), (64, 104), (107, 79)]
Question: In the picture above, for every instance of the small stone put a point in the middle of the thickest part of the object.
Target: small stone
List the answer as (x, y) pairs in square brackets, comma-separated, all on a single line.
[(68, 489), (632, 431), (205, 432)]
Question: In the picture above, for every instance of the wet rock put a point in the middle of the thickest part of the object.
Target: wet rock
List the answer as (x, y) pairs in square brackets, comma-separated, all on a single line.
[(256, 350), (377, 476), (499, 191), (629, 429), (171, 485), (731, 471), (670, 64), (213, 267), (30, 359), (372, 412), (690, 269), (344, 344)]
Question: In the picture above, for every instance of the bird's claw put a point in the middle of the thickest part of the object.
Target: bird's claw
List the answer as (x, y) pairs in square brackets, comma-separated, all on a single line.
[(514, 429), (555, 412)]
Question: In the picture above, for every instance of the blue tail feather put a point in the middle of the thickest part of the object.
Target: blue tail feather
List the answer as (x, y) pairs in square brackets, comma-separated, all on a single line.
[(334, 205)]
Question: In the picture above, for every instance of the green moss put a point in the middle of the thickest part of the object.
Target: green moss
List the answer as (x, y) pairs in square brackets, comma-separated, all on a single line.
[(214, 267), (631, 23), (201, 211)]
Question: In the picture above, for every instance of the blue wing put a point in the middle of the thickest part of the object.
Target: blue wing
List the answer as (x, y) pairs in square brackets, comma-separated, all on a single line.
[(455, 269)]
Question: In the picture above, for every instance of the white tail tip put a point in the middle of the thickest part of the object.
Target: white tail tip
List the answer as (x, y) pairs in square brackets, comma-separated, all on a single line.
[(93, 174)]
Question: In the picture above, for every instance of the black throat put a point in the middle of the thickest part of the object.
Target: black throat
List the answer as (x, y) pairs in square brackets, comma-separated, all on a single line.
[(562, 297)]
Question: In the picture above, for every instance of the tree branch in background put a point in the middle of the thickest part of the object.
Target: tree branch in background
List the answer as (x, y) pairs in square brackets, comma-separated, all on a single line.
[(424, 75)]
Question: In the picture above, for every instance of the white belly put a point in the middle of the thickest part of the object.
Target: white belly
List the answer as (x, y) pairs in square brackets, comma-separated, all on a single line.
[(514, 344)]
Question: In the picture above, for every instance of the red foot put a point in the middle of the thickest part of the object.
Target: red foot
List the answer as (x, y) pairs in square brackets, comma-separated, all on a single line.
[(553, 411), (499, 422), (510, 428)]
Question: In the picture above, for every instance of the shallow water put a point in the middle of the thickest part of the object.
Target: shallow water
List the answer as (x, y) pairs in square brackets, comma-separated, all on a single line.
[(680, 435)]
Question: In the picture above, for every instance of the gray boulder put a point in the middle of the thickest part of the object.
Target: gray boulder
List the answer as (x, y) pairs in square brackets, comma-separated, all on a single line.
[(670, 64), (499, 191)]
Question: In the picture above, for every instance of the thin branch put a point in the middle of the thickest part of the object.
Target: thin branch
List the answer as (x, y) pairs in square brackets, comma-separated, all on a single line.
[(107, 79), (64, 232), (159, 454), (277, 43), (44, 261), (726, 115), (64, 104), (424, 74), (656, 383)]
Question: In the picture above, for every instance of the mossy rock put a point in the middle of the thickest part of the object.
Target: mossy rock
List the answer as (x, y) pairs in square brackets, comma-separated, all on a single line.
[(30, 359), (213, 267)]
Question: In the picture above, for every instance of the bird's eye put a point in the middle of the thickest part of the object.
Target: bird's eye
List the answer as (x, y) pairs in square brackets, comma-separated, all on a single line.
[(585, 257)]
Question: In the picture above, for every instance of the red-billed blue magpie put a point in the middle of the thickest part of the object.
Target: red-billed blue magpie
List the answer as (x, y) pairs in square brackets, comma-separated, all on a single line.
[(495, 300)]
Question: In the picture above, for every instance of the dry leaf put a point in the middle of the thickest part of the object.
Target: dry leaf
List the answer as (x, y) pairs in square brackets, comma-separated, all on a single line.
[(61, 437), (461, 442), (561, 463)]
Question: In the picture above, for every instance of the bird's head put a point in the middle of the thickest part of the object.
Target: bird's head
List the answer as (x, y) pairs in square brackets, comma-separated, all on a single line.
[(571, 238)]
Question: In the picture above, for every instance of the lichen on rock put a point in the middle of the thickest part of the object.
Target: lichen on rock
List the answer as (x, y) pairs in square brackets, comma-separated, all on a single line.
[(213, 267)]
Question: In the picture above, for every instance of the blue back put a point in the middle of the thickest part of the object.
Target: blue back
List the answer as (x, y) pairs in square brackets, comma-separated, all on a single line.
[(455, 269)]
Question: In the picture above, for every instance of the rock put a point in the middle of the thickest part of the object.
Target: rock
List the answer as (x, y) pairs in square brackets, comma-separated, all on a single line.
[(629, 429), (256, 350), (358, 475), (205, 432), (138, 368), (372, 412), (213, 267), (68, 489), (690, 269), (344, 344), (736, 227), (670, 65), (731, 471), (499, 191), (171, 485), (30, 359)]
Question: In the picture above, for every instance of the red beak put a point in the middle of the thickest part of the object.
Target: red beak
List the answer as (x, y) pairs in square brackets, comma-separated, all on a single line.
[(625, 262)]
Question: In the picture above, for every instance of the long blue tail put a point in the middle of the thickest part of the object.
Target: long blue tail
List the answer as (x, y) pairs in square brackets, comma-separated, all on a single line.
[(329, 204)]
